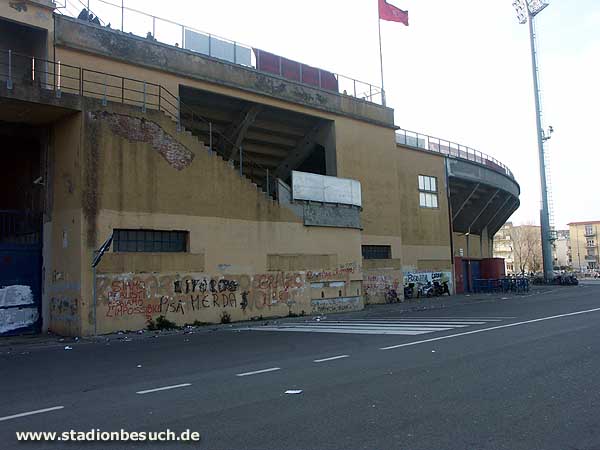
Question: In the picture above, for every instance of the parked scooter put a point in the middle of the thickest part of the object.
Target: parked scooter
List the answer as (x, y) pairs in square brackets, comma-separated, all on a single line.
[(409, 291), (426, 290)]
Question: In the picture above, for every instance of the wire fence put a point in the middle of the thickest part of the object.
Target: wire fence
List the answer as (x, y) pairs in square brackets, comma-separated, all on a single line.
[(449, 148)]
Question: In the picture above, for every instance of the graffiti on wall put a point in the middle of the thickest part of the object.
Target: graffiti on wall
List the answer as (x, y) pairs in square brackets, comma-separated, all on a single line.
[(336, 305), (345, 272), (379, 283), (64, 308), (151, 295), (428, 277)]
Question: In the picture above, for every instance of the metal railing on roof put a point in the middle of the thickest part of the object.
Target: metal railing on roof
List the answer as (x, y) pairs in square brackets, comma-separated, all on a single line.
[(57, 77), (432, 144), (142, 24)]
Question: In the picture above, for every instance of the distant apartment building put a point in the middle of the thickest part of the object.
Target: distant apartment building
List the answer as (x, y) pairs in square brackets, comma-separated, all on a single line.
[(584, 243), (561, 250), (503, 247)]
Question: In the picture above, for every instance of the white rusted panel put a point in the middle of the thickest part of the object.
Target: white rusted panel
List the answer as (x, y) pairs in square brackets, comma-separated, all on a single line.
[(15, 318), (15, 295), (321, 188)]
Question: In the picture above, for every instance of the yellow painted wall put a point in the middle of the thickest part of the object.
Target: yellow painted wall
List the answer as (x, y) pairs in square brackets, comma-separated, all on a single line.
[(235, 231), (477, 248), (365, 151), (62, 281), (389, 178)]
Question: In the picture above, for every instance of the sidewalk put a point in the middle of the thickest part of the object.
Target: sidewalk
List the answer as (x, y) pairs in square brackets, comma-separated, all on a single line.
[(25, 343)]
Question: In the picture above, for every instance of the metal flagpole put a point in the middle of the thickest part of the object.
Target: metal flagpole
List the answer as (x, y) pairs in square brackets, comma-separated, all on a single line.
[(381, 58)]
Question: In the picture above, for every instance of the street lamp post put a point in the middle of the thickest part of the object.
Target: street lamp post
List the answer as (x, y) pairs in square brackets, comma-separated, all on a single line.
[(527, 10)]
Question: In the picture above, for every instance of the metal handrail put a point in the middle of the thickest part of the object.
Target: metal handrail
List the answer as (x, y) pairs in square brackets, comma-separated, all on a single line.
[(432, 144), (148, 96), (346, 85)]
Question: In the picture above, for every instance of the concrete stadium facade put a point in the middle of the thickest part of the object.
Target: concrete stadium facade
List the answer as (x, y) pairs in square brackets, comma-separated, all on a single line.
[(229, 193)]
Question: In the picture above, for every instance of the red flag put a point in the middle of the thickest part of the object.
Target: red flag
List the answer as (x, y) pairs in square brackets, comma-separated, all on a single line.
[(391, 13)]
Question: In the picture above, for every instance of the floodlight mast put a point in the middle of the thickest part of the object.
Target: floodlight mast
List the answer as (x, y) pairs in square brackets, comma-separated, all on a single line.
[(528, 10)]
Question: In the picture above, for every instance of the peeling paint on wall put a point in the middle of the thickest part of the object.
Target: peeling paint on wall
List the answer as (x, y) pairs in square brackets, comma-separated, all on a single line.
[(12, 313), (136, 129)]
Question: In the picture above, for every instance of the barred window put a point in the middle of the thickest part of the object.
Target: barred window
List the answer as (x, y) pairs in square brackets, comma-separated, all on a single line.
[(428, 196), (151, 241), (377, 252)]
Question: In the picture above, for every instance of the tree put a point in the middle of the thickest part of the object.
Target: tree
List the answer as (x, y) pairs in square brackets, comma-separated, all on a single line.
[(527, 247)]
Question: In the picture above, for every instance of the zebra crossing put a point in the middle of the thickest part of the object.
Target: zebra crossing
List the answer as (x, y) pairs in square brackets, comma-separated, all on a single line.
[(392, 326)]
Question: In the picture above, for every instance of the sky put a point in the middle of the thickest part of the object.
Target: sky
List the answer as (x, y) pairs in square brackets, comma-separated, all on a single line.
[(461, 71)]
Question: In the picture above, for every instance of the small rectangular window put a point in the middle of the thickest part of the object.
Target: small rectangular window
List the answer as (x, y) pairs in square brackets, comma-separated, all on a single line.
[(377, 252), (150, 241), (428, 196)]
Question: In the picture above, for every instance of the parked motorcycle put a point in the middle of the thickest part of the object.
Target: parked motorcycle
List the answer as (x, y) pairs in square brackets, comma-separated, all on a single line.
[(409, 291), (426, 290), (441, 288)]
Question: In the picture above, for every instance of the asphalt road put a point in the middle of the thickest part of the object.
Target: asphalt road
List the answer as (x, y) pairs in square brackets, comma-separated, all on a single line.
[(521, 373)]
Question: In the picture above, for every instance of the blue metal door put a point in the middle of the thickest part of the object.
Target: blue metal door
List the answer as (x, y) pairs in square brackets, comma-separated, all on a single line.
[(466, 275), (475, 273), (20, 273)]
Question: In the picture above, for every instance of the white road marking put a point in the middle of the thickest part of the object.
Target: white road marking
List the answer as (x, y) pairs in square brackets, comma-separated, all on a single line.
[(404, 323), (349, 330), (30, 413), (428, 319), (374, 326), (407, 327), (331, 359), (245, 374), (164, 388), (587, 311)]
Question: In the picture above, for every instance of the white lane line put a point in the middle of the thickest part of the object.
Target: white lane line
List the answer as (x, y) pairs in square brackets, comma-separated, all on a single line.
[(331, 359), (587, 311), (164, 388), (245, 374), (30, 413)]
